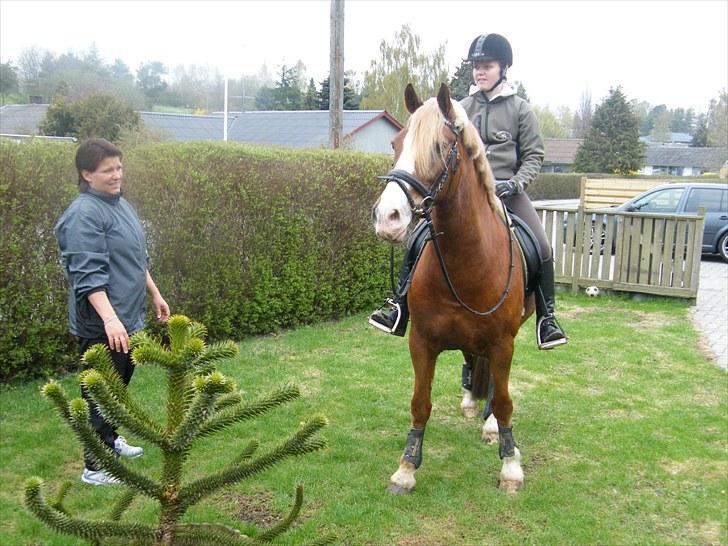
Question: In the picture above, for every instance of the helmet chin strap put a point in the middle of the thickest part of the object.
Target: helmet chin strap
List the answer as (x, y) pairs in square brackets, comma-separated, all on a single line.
[(500, 80)]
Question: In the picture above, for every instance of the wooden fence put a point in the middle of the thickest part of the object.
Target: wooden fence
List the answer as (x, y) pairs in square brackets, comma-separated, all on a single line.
[(625, 251), (599, 193)]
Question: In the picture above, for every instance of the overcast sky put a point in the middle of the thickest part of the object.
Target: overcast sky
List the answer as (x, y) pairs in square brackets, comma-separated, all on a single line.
[(662, 52)]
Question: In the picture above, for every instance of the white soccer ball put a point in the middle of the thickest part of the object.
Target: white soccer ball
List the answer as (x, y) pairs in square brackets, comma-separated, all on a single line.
[(592, 291)]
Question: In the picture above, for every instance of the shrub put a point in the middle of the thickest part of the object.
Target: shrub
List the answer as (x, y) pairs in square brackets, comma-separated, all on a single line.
[(35, 187), (249, 239)]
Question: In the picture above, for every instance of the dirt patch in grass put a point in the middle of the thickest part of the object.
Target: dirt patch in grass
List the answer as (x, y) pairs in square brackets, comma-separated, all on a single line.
[(435, 532), (651, 321), (710, 533), (707, 469), (256, 509)]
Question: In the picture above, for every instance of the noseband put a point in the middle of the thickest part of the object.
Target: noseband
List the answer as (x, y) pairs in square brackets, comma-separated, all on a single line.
[(403, 178)]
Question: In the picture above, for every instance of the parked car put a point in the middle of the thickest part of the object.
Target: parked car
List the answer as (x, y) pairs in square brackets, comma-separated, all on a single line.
[(682, 198)]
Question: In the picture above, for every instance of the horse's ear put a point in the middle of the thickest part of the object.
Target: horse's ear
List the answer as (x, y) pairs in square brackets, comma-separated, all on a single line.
[(411, 100), (444, 101)]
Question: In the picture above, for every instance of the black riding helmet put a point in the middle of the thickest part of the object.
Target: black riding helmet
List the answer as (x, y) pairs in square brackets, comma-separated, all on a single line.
[(492, 47)]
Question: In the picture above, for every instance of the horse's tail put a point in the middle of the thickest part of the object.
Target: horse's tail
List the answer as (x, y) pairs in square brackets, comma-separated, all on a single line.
[(480, 377)]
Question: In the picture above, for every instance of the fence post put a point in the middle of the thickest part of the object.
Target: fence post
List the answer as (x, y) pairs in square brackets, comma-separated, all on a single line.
[(697, 255), (579, 244)]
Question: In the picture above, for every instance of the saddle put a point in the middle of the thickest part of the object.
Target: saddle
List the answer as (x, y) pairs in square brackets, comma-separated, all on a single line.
[(530, 251)]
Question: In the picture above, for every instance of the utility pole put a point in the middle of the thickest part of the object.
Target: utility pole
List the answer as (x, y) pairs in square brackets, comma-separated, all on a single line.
[(336, 73)]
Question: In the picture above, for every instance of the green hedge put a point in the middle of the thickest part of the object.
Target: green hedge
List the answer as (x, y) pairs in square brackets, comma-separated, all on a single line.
[(245, 239)]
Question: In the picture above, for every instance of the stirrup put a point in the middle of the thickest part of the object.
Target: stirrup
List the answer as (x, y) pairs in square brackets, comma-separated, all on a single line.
[(383, 327), (549, 344)]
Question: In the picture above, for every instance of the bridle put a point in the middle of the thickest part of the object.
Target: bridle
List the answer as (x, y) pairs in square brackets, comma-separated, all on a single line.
[(402, 178)]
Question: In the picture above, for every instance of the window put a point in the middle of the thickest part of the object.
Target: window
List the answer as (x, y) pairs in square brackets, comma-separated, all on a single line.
[(713, 199), (663, 201)]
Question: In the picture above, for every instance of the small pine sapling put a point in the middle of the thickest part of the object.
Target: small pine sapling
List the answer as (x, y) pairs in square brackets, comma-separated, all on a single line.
[(201, 401)]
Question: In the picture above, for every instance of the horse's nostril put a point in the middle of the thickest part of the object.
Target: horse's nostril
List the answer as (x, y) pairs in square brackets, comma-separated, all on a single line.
[(394, 216)]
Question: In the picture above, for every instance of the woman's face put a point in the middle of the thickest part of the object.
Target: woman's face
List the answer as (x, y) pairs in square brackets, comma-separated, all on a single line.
[(486, 74), (107, 177)]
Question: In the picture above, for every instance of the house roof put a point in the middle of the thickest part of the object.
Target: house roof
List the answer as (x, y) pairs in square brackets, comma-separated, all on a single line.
[(21, 119), (674, 138), (300, 128), (186, 127), (561, 150), (709, 159)]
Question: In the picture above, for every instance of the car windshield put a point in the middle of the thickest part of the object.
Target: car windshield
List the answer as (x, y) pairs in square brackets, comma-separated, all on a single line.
[(660, 201)]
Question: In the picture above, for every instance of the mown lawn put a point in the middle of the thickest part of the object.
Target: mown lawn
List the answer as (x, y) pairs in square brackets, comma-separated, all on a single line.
[(623, 434)]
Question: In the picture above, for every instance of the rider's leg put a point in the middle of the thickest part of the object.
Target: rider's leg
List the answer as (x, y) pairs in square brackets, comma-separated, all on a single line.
[(548, 331), (393, 315)]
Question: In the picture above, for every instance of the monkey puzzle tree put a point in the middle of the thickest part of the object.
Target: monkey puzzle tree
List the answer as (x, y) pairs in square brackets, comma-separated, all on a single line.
[(201, 401)]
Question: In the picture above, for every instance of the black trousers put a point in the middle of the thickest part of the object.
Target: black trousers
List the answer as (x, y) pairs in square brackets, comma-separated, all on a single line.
[(125, 368)]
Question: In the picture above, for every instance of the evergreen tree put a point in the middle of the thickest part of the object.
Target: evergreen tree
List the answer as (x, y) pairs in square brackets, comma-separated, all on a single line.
[(612, 144), (201, 402), (310, 98), (700, 133), (521, 91), (351, 97), (8, 80), (461, 81), (150, 79)]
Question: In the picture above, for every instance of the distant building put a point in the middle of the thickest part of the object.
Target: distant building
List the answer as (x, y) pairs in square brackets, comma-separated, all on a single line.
[(21, 119), (363, 130), (682, 161), (673, 139), (560, 154)]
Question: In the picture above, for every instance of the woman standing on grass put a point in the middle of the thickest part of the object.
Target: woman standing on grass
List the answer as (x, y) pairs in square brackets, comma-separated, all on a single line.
[(104, 255)]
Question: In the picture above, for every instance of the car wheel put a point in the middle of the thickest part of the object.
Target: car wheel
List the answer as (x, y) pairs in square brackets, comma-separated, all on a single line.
[(723, 247)]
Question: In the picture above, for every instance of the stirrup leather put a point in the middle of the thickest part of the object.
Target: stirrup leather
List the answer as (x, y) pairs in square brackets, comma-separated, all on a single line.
[(384, 328)]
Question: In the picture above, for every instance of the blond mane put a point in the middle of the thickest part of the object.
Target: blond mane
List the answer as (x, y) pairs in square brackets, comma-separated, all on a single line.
[(426, 129)]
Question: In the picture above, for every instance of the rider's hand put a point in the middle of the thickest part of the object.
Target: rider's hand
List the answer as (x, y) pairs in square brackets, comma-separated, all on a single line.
[(507, 189)]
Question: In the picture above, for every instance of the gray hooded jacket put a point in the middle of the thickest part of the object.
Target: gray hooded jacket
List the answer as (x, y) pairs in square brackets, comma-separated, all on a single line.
[(509, 130)]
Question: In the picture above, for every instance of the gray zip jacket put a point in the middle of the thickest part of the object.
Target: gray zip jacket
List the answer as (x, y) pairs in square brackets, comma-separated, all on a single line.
[(103, 247), (509, 130)]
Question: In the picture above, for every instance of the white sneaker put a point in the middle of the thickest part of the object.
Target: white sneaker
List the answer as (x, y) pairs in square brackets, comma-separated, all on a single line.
[(125, 450), (98, 477)]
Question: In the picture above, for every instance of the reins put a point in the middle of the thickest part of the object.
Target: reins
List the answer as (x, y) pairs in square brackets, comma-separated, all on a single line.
[(401, 177)]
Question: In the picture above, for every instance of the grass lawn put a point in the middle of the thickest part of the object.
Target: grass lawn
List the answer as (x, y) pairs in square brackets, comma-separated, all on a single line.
[(623, 434)]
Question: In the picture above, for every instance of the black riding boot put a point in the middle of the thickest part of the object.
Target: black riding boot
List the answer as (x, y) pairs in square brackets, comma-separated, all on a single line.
[(393, 315), (548, 332)]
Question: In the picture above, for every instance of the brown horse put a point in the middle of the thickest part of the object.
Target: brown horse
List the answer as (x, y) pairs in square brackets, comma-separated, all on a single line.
[(467, 290)]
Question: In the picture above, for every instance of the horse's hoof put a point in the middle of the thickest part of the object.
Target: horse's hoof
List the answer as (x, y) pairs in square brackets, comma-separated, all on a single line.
[(469, 412), (489, 437), (511, 486), (395, 489)]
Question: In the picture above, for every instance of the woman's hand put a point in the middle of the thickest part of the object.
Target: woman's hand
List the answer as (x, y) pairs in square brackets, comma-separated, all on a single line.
[(117, 335), (160, 308)]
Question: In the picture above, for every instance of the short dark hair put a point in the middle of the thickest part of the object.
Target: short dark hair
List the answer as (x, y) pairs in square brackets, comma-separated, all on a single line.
[(89, 156)]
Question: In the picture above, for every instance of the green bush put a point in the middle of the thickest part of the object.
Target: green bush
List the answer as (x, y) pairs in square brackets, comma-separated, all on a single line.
[(248, 239), (36, 184)]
